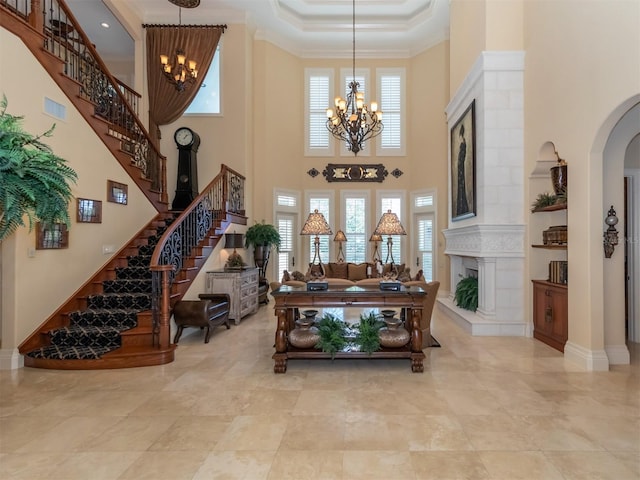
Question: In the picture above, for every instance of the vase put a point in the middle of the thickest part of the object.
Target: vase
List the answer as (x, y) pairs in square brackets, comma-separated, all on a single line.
[(559, 179), (305, 335), (393, 335)]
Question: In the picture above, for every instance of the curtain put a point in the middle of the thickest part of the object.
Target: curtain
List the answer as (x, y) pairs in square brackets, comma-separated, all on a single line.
[(199, 42)]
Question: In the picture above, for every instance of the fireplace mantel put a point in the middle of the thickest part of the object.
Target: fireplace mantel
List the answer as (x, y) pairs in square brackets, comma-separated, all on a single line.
[(485, 241)]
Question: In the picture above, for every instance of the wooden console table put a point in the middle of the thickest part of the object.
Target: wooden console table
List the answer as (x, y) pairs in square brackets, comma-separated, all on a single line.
[(288, 301)]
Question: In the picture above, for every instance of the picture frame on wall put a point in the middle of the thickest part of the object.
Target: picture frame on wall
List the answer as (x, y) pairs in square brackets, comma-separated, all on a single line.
[(463, 165), (117, 192), (89, 211)]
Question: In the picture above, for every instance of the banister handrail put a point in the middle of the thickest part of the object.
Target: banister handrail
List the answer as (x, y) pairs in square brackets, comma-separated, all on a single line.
[(64, 38), (225, 193)]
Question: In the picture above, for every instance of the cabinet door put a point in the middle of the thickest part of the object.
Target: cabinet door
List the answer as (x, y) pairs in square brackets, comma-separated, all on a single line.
[(542, 317), (559, 312)]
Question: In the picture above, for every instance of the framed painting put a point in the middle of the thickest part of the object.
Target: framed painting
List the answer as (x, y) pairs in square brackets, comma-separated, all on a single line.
[(463, 165)]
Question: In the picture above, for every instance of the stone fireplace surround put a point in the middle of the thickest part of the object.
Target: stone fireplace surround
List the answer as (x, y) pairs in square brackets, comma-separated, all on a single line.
[(492, 242)]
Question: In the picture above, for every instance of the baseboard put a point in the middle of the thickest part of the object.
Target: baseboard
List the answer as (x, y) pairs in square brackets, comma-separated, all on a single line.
[(11, 359), (589, 360), (618, 354)]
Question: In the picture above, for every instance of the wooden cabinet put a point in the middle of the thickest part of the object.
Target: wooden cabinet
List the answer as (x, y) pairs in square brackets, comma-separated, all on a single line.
[(242, 287), (550, 309)]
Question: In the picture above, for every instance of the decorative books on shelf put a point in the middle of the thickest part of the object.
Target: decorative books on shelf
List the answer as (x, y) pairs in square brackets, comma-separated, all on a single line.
[(558, 271)]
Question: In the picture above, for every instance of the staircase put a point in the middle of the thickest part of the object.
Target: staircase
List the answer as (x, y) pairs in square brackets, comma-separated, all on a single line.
[(115, 322), (108, 106), (121, 316)]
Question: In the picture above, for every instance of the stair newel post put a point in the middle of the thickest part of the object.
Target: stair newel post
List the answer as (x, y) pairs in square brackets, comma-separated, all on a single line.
[(161, 304), (36, 18)]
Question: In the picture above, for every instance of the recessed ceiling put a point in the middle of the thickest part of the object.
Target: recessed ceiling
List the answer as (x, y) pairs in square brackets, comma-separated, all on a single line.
[(307, 28)]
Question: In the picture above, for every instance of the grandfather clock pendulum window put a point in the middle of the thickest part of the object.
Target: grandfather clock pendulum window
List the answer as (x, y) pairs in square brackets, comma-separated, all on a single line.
[(188, 142)]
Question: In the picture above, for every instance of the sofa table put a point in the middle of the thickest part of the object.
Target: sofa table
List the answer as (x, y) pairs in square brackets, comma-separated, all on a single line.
[(289, 300)]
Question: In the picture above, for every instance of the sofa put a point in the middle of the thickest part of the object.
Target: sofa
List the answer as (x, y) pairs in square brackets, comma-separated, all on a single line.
[(429, 300)]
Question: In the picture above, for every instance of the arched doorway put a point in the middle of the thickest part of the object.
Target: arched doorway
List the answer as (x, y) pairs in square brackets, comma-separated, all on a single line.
[(609, 151)]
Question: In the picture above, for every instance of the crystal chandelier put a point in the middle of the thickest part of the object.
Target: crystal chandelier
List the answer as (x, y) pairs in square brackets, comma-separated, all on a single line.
[(181, 71), (352, 121)]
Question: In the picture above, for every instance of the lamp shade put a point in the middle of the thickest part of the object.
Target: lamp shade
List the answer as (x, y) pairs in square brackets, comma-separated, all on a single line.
[(340, 236), (233, 240), (389, 224), (375, 238), (316, 225)]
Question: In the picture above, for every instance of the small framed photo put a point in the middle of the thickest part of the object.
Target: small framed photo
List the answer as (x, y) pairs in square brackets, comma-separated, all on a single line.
[(463, 165), (51, 236), (89, 211), (117, 192)]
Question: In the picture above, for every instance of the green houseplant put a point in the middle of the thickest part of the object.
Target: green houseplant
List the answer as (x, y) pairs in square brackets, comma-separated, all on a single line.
[(262, 237), (332, 333), (34, 182), (543, 200), (467, 293), (368, 333)]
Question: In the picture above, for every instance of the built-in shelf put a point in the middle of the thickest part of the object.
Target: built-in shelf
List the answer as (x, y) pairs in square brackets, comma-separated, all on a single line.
[(551, 247), (551, 208)]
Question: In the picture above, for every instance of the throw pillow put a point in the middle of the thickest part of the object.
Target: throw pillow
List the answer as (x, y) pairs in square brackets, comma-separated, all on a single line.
[(404, 276), (340, 270), (328, 269), (357, 271), (296, 275)]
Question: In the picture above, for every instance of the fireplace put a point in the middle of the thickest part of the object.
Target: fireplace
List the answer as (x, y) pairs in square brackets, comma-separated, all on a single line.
[(490, 245)]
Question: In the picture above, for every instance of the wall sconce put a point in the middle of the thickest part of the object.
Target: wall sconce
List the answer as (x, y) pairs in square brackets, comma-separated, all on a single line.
[(611, 234)]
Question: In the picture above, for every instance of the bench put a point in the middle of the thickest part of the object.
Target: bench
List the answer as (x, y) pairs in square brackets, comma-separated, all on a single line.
[(210, 311)]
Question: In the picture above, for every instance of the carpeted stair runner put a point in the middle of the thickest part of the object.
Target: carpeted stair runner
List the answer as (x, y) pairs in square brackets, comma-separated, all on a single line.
[(96, 330)]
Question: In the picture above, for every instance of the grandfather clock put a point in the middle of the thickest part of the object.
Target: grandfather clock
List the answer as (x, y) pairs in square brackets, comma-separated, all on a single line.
[(188, 142)]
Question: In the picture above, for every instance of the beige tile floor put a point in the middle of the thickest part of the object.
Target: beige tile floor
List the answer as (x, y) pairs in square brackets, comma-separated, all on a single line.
[(485, 408)]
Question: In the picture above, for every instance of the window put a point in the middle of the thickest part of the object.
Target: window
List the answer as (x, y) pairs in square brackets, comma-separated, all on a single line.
[(425, 244), (323, 205), (355, 208), (286, 215), (207, 101), (362, 77), (392, 202), (318, 85), (286, 260), (424, 210), (391, 85)]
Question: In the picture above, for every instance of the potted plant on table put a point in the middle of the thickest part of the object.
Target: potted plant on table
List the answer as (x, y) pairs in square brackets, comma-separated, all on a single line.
[(262, 237)]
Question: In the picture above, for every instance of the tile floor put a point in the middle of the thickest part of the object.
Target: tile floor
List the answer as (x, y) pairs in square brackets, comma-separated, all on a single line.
[(485, 408)]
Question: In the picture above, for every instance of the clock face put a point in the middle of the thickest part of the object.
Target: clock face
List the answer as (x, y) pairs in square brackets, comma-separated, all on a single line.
[(183, 136)]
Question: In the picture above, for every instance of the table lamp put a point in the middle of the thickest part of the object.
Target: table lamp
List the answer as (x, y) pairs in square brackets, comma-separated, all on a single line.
[(316, 225), (389, 224), (340, 238)]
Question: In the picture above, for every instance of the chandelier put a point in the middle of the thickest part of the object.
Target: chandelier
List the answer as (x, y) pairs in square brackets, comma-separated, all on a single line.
[(181, 71), (352, 121)]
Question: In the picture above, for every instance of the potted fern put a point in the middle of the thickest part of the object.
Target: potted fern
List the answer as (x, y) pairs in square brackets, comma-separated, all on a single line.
[(332, 333), (368, 333), (467, 293), (34, 182)]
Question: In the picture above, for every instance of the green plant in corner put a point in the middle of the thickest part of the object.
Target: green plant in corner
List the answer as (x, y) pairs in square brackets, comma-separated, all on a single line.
[(467, 293), (332, 334), (34, 182), (367, 336)]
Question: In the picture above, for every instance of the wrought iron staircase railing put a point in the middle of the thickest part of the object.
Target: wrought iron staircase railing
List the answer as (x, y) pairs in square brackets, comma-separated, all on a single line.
[(224, 196), (114, 102)]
